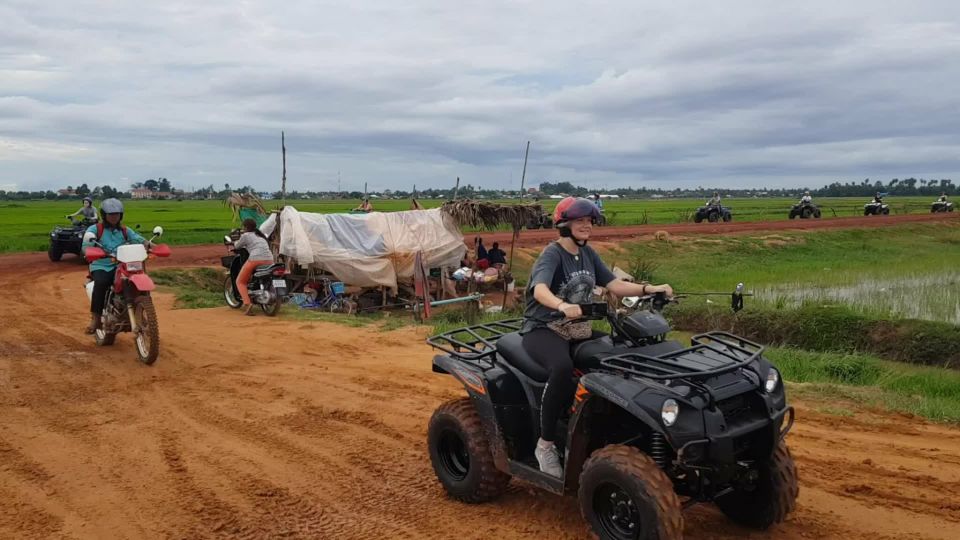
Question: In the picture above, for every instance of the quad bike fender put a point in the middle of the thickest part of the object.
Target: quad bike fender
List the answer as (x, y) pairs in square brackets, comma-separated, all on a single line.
[(142, 282), (474, 383)]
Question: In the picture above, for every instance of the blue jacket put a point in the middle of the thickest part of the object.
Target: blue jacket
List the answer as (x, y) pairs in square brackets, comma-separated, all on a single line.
[(111, 240)]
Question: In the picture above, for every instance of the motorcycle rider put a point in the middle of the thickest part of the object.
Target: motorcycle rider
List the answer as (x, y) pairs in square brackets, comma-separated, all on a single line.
[(806, 199), (259, 254), (87, 210), (878, 198), (943, 197), (113, 234), (563, 277), (598, 201), (715, 200)]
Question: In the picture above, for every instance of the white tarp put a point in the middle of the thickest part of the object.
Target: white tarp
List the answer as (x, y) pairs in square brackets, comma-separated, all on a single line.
[(372, 249)]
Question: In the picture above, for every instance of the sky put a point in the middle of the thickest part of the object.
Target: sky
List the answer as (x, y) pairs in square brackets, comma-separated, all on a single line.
[(397, 94)]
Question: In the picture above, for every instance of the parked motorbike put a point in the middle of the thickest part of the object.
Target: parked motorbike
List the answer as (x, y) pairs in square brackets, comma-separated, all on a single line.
[(128, 306), (267, 287)]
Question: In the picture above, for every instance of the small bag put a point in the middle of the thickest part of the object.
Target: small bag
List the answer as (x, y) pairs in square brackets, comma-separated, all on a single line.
[(572, 330)]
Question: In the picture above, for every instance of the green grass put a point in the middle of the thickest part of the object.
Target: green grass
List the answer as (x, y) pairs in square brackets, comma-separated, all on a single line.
[(932, 393), (194, 288), (27, 224)]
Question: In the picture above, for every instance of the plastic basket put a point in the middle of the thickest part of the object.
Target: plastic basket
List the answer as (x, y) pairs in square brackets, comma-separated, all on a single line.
[(337, 287)]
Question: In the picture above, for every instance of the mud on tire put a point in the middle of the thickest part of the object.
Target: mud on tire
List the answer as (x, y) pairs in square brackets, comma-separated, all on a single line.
[(773, 496), (460, 453), (620, 486)]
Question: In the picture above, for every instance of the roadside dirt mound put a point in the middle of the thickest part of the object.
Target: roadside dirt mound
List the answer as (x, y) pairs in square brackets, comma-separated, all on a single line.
[(264, 428)]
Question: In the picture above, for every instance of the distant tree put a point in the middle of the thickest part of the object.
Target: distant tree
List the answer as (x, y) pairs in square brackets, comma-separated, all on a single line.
[(83, 190), (163, 185), (151, 184), (136, 185)]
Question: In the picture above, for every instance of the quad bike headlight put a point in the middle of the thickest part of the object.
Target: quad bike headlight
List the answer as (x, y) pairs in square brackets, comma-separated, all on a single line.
[(669, 412), (773, 378)]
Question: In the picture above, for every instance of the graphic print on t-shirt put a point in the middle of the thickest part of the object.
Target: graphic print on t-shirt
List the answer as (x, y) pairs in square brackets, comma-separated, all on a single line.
[(579, 287)]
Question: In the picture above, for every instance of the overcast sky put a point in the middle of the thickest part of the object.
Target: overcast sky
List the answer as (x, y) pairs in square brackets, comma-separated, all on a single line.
[(609, 93)]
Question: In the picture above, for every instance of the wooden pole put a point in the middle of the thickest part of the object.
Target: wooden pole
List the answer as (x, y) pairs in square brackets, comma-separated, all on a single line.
[(456, 189), (283, 182), (523, 177), (513, 245)]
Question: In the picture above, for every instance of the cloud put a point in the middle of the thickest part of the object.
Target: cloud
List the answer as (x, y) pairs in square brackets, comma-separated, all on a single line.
[(612, 93)]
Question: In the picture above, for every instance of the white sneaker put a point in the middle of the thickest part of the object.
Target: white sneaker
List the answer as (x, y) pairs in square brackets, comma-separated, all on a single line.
[(548, 458)]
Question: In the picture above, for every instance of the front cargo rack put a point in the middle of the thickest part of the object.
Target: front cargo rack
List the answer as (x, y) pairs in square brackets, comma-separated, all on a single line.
[(477, 342), (710, 354)]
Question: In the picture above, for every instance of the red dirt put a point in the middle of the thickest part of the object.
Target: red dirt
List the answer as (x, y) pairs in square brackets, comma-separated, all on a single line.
[(266, 428)]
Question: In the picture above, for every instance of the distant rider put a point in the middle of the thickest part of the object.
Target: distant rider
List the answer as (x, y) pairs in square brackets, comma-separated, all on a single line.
[(715, 200), (563, 277), (943, 197), (259, 254), (806, 199), (598, 201), (114, 234), (87, 210), (878, 198)]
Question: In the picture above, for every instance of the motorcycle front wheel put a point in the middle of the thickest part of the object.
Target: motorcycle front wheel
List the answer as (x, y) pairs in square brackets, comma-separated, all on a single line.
[(148, 331), (233, 300)]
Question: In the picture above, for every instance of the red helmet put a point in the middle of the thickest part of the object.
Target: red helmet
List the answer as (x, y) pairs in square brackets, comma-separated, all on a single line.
[(573, 208)]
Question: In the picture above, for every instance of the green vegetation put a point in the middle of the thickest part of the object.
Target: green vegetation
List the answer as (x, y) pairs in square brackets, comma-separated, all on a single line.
[(929, 392), (26, 224), (193, 287)]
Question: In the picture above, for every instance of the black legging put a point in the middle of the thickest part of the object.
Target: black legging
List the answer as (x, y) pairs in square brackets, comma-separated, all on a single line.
[(553, 353), (102, 281)]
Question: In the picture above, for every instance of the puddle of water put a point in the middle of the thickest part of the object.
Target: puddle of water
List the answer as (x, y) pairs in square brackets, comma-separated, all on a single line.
[(934, 297)]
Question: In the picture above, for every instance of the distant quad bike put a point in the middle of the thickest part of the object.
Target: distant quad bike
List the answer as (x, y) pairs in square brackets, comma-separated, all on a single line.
[(652, 422), (541, 220), (874, 208), (67, 239), (941, 206), (804, 211), (712, 213)]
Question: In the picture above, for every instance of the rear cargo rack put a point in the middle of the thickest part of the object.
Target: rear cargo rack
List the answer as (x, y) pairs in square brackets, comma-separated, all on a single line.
[(477, 342), (710, 354)]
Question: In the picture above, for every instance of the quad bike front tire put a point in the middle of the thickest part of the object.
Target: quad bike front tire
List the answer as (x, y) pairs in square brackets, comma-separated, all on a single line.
[(885, 211), (697, 218), (460, 453), (771, 498), (806, 213), (713, 217), (55, 253), (816, 213), (147, 337), (793, 214), (228, 294), (625, 495), (727, 217)]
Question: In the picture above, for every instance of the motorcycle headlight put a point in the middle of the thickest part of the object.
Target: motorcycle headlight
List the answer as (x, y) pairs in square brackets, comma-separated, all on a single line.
[(669, 412), (773, 378), (135, 266)]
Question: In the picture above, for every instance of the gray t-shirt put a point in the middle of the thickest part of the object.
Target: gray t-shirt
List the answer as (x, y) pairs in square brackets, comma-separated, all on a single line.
[(257, 247), (570, 277)]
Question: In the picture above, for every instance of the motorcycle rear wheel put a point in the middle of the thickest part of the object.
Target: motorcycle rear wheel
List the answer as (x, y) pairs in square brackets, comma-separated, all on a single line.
[(148, 331)]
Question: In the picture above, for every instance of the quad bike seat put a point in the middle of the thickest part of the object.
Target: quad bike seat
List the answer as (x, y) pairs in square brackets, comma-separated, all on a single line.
[(266, 269), (510, 347), (588, 354)]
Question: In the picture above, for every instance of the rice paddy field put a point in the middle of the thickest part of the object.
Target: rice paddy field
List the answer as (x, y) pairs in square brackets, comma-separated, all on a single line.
[(25, 225)]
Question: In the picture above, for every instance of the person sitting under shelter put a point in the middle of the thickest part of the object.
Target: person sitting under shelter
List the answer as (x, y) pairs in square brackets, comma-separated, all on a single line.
[(496, 256)]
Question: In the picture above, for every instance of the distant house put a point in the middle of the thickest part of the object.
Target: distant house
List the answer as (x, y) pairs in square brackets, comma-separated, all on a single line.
[(144, 193), (265, 195), (66, 193)]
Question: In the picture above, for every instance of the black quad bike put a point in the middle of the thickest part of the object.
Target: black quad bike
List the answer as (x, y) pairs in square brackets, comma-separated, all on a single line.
[(267, 286), (804, 210), (540, 220), (874, 208), (941, 206), (713, 213), (655, 426), (65, 239)]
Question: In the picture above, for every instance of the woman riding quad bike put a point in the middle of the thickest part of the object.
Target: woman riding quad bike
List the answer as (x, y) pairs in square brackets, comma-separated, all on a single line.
[(563, 277)]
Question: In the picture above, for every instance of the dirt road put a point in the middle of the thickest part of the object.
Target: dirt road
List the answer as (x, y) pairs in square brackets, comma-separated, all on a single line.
[(266, 428)]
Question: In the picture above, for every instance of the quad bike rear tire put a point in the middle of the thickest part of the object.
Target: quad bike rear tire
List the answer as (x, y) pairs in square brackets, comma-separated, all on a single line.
[(147, 337), (806, 213), (625, 495), (793, 214), (460, 453), (885, 211), (229, 296), (772, 497), (697, 218), (55, 253), (816, 213), (713, 217), (727, 217)]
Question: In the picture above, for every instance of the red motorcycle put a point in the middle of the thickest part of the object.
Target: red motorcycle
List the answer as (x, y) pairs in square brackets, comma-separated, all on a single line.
[(128, 306)]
